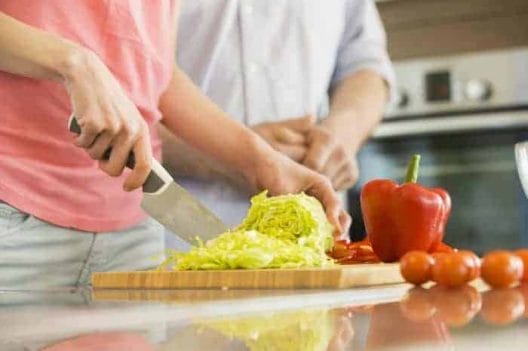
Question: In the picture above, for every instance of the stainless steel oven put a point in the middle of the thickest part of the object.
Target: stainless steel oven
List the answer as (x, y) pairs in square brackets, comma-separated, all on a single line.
[(463, 114)]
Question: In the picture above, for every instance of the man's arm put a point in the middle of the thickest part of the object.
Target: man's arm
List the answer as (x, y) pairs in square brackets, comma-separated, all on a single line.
[(358, 92), (356, 107)]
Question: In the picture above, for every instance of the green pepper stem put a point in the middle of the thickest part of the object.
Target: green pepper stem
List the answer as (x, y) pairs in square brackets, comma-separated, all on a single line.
[(412, 169)]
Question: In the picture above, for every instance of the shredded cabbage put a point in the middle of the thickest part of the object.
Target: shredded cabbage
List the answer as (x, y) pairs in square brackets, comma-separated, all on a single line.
[(288, 231), (298, 218), (303, 331)]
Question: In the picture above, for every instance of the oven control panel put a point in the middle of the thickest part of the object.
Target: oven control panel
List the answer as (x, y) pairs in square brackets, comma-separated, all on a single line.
[(462, 83)]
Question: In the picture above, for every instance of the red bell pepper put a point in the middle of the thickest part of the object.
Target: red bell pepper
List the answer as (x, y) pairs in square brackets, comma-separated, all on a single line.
[(401, 218)]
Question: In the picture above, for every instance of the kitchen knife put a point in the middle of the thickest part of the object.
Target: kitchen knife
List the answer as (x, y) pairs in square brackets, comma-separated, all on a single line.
[(170, 204)]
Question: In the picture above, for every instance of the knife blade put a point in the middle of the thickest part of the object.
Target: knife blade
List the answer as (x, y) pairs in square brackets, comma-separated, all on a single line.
[(170, 204)]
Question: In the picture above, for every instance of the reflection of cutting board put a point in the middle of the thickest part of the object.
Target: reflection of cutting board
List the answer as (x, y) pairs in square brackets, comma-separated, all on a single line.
[(334, 277)]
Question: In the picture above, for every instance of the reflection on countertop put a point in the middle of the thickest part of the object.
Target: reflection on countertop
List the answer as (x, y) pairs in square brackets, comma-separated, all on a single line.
[(394, 317)]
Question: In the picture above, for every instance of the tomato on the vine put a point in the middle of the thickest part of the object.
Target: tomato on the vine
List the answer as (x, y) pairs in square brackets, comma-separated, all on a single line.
[(473, 262), (501, 269), (452, 269), (523, 254), (415, 267)]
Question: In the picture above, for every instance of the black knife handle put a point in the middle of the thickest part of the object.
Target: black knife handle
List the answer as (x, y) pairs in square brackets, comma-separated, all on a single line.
[(154, 180)]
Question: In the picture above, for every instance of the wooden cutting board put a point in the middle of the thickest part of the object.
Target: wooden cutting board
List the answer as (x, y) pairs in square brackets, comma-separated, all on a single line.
[(335, 277)]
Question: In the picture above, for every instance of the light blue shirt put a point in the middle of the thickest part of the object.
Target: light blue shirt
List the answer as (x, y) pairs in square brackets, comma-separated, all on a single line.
[(267, 60)]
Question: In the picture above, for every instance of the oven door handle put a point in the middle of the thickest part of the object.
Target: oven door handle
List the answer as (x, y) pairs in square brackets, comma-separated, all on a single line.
[(453, 124)]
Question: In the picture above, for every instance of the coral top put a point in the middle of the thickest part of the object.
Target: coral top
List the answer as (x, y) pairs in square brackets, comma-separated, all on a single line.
[(41, 171)]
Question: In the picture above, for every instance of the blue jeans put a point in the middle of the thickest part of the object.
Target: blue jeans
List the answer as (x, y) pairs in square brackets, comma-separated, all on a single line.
[(38, 255)]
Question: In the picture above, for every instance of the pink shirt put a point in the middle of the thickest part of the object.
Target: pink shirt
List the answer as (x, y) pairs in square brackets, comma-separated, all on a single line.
[(41, 171)]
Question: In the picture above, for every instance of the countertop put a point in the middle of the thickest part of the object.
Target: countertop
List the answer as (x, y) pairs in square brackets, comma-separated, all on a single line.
[(380, 318)]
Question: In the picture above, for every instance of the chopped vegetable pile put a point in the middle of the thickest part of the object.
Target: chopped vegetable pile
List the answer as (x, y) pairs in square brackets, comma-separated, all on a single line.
[(288, 231)]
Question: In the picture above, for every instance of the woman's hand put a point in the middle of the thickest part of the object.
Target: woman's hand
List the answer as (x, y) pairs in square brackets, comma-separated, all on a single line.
[(108, 119), (280, 175), (105, 114)]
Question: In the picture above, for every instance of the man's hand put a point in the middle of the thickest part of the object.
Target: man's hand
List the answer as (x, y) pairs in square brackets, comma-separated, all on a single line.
[(108, 119), (329, 156), (280, 175), (289, 136)]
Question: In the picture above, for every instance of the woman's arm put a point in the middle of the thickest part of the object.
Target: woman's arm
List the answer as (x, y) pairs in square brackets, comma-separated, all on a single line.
[(34, 53), (200, 123), (106, 115), (183, 160)]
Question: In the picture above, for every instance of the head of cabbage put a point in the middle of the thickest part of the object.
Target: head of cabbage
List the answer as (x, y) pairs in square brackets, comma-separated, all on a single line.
[(297, 218), (287, 231)]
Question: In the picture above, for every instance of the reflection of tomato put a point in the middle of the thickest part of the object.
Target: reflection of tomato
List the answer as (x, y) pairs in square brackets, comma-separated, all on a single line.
[(523, 254), (390, 330), (456, 306), (523, 289), (417, 305), (473, 262), (502, 306), (451, 269), (501, 269), (415, 267)]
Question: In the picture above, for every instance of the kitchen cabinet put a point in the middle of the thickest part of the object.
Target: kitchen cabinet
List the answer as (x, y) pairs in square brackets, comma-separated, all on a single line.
[(419, 28)]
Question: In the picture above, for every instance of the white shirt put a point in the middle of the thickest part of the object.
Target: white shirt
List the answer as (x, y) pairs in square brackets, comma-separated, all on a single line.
[(267, 60)]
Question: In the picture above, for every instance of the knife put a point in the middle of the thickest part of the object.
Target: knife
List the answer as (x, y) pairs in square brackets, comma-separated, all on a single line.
[(170, 204)]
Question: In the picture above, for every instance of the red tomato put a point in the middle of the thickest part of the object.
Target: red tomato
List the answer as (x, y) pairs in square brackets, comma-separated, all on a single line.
[(340, 249), (418, 306), (345, 252), (473, 261), (502, 306), (452, 269), (415, 267), (456, 306), (523, 254), (501, 269)]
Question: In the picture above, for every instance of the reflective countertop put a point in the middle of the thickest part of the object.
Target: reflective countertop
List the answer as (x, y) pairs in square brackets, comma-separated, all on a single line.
[(395, 317)]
